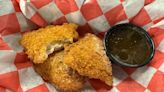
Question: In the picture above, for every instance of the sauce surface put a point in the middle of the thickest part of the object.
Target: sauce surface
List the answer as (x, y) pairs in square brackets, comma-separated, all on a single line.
[(129, 46)]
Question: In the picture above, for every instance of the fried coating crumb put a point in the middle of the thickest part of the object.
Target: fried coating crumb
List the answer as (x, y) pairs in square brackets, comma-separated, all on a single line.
[(42, 42), (59, 74), (88, 58)]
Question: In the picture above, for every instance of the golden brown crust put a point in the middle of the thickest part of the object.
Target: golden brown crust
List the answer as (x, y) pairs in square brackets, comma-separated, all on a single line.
[(59, 74), (88, 58), (37, 42)]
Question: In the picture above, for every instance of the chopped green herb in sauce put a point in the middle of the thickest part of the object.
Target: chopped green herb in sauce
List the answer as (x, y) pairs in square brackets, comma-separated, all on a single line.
[(129, 46)]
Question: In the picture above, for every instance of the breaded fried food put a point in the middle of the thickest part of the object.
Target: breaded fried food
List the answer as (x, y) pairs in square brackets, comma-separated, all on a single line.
[(59, 74), (42, 42), (88, 58)]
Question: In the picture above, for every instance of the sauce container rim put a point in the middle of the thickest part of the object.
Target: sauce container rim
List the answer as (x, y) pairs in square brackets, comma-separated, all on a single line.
[(149, 39)]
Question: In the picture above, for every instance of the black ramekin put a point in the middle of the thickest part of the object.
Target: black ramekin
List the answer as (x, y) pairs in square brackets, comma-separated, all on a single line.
[(139, 29)]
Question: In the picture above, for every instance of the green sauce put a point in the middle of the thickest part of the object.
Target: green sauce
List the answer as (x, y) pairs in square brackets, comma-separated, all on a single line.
[(129, 46)]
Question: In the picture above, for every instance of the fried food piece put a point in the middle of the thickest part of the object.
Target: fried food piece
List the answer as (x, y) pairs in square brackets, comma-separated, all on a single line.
[(88, 58), (59, 74), (42, 42)]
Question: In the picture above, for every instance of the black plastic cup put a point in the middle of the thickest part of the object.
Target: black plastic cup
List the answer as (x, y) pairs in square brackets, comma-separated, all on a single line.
[(135, 28)]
